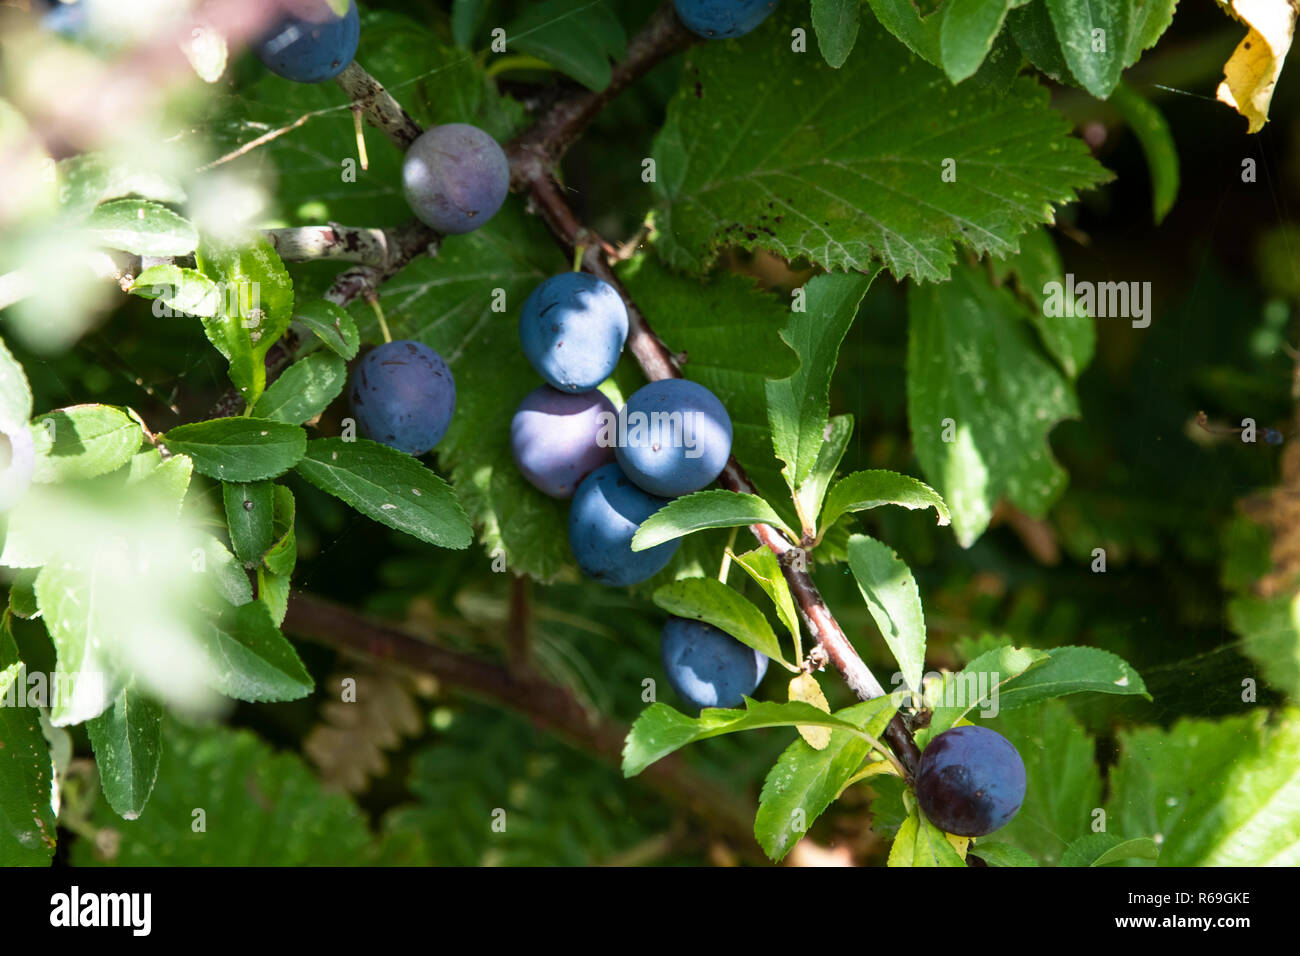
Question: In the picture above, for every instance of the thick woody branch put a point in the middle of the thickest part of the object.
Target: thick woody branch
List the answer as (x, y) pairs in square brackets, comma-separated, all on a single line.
[(381, 110), (342, 243), (548, 706)]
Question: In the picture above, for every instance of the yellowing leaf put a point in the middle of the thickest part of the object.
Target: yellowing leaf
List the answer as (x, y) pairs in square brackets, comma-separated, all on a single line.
[(805, 688), (1252, 71), (959, 843)]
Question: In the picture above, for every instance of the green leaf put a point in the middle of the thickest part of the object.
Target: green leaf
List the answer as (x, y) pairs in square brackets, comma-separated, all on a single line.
[(83, 441), (920, 843), (254, 312), (1063, 786), (709, 600), (259, 808), (282, 555), (812, 492), (797, 407), (1270, 637), (579, 37), (27, 825), (84, 643), (974, 377), (304, 389), (273, 592), (15, 393), (716, 508), (1213, 793), (239, 449), (804, 782), (88, 179), (967, 33), (142, 227), (1002, 854), (1100, 38), (127, 739), (844, 179), (871, 489), (1070, 337), (1101, 849), (467, 18), (226, 580), (919, 34), (248, 516), (764, 567), (891, 595), (389, 487), (182, 290), (660, 730), (836, 23), (1031, 26), (1153, 133), (331, 325), (1071, 670), (977, 684), (22, 594), (249, 657), (169, 479)]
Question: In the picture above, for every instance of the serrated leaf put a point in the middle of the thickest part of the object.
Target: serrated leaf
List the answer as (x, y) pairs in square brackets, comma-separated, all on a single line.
[(812, 492), (1071, 670), (15, 393), (1100, 38), (805, 688), (709, 600), (282, 555), (83, 441), (715, 508), (1270, 637), (974, 377), (836, 24), (764, 567), (239, 449), (273, 591), (331, 325), (255, 310), (1003, 854), (142, 227), (920, 843), (27, 825), (1213, 793), (182, 290), (304, 389), (249, 658), (890, 592), (967, 33), (805, 781), (976, 685), (578, 37), (169, 479), (224, 576), (1102, 849), (127, 739), (844, 179), (797, 407), (389, 487), (275, 811), (871, 489), (660, 730), (248, 517)]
